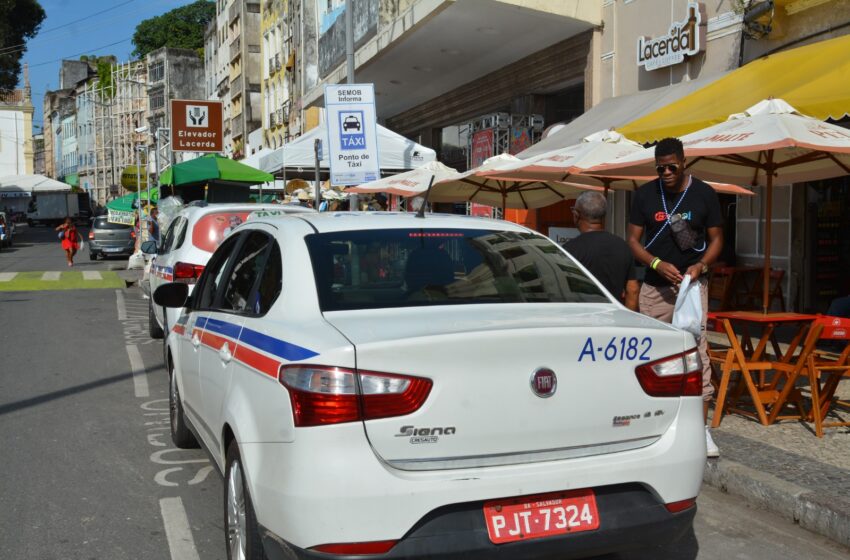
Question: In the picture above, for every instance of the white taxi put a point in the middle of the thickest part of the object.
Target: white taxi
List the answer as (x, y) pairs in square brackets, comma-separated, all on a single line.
[(441, 387), (187, 245)]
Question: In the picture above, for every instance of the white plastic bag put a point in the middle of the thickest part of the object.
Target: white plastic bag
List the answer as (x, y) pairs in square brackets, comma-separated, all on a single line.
[(687, 315), (136, 261)]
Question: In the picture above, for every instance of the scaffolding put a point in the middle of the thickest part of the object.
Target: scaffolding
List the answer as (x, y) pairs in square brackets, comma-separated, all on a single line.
[(129, 111)]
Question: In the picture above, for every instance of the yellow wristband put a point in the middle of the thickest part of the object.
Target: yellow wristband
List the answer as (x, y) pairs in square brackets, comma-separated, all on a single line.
[(654, 263)]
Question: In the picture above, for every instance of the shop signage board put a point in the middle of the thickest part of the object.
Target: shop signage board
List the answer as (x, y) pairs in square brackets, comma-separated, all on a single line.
[(352, 134), (483, 145), (196, 126), (683, 39)]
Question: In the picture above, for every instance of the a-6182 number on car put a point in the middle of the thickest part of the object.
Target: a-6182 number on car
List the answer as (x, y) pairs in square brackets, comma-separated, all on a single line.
[(617, 349)]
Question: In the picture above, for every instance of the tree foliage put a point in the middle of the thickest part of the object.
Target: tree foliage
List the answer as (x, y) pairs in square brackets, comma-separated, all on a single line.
[(179, 28), (19, 22), (103, 65)]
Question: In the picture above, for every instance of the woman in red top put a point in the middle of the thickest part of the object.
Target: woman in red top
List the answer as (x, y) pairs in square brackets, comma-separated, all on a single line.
[(70, 239)]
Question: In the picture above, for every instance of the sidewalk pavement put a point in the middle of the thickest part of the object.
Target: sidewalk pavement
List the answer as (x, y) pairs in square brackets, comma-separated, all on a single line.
[(786, 469)]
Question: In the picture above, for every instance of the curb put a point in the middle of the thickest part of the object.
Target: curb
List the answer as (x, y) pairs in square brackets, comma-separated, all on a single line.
[(819, 513)]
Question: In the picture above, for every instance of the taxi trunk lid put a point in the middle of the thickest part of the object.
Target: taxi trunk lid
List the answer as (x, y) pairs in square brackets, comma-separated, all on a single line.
[(482, 410)]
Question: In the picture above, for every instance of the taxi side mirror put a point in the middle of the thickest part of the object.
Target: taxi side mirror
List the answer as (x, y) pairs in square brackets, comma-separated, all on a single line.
[(174, 295), (149, 247)]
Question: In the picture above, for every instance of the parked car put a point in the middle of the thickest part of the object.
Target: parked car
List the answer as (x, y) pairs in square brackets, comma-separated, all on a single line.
[(448, 387), (187, 244), (107, 239), (7, 230)]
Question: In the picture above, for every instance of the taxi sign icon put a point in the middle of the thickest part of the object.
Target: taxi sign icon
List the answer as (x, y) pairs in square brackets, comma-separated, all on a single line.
[(544, 382)]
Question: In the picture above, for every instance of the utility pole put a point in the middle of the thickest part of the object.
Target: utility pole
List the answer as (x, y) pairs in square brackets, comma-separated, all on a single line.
[(353, 199)]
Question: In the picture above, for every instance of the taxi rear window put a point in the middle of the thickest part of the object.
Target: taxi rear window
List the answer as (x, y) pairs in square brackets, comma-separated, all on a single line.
[(417, 267), (211, 229)]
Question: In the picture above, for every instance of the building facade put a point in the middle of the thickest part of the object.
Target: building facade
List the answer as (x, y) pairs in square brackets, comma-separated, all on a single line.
[(16, 146), (172, 74), (244, 53)]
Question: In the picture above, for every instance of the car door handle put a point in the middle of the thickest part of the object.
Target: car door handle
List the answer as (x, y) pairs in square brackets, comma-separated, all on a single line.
[(225, 354), (196, 341)]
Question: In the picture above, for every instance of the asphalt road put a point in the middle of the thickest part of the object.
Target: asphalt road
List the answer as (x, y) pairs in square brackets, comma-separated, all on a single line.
[(89, 471)]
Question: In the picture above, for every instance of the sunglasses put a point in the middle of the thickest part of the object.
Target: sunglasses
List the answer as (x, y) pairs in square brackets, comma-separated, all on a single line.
[(672, 167)]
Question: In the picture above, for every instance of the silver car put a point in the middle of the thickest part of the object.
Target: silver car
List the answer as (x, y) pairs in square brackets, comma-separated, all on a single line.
[(107, 239)]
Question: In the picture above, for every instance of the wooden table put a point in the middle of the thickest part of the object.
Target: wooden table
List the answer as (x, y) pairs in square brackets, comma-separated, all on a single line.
[(747, 355)]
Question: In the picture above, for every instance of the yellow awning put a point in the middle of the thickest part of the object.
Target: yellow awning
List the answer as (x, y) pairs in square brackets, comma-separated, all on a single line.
[(814, 79)]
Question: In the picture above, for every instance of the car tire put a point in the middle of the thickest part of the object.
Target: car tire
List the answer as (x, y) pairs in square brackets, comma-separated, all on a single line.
[(154, 330), (92, 256), (241, 532), (181, 435)]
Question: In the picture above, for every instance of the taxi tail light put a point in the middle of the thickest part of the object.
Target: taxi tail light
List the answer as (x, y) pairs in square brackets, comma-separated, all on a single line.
[(323, 395), (187, 273), (355, 549), (91, 235), (679, 375), (132, 234)]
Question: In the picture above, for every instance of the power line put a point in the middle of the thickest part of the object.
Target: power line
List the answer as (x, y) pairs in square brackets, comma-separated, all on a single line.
[(22, 46), (81, 53)]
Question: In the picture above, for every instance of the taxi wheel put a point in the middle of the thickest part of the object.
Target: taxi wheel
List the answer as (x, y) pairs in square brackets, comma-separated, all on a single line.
[(240, 523), (180, 433), (154, 330)]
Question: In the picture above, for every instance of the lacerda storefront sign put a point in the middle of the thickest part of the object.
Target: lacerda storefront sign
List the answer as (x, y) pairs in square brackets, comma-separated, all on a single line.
[(685, 38)]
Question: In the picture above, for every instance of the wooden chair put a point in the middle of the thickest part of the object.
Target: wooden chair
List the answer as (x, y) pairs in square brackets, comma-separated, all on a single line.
[(825, 371), (786, 375), (721, 285), (733, 361), (752, 298)]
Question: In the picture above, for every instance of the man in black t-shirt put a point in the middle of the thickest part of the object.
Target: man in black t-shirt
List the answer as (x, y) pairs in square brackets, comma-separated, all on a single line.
[(676, 199), (606, 256)]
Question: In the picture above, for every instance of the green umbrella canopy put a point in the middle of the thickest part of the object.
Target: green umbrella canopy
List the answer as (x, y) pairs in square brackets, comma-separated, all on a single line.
[(126, 202), (212, 167)]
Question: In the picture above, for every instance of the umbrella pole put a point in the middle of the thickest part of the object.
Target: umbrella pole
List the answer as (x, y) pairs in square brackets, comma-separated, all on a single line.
[(765, 296), (504, 202)]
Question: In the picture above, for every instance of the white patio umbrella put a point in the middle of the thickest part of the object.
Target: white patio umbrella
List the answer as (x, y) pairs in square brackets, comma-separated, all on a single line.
[(410, 183), (565, 164), (770, 143), (485, 185)]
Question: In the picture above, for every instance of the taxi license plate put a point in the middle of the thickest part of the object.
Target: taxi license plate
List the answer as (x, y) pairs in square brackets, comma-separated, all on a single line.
[(544, 515), (112, 249)]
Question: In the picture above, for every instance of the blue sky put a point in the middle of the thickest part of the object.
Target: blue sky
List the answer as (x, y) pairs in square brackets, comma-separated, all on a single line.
[(73, 28)]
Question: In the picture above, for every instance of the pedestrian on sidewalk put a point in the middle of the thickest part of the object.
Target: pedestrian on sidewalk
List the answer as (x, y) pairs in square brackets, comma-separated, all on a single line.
[(70, 239), (153, 225), (605, 255), (683, 226)]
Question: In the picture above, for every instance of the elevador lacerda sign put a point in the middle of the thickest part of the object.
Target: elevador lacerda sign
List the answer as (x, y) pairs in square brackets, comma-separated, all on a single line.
[(684, 39)]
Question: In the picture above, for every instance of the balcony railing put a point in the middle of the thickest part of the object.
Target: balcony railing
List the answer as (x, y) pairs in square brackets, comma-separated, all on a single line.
[(234, 11), (236, 47), (236, 127)]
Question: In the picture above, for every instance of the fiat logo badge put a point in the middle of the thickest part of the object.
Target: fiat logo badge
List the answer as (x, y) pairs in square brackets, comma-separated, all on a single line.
[(544, 382)]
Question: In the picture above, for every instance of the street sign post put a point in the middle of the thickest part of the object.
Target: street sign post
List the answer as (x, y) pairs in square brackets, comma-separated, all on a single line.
[(196, 126), (352, 134)]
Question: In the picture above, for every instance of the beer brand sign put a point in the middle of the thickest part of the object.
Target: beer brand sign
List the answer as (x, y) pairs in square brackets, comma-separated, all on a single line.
[(684, 38)]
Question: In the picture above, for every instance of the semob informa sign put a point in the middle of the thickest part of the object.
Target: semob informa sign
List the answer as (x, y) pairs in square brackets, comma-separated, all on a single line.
[(352, 134)]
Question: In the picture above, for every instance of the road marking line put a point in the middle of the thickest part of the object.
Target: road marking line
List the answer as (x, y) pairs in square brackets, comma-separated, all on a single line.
[(180, 542), (7, 276), (51, 276), (140, 376), (92, 275), (122, 307)]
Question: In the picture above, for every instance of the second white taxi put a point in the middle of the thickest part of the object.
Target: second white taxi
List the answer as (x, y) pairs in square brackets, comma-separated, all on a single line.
[(390, 386)]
